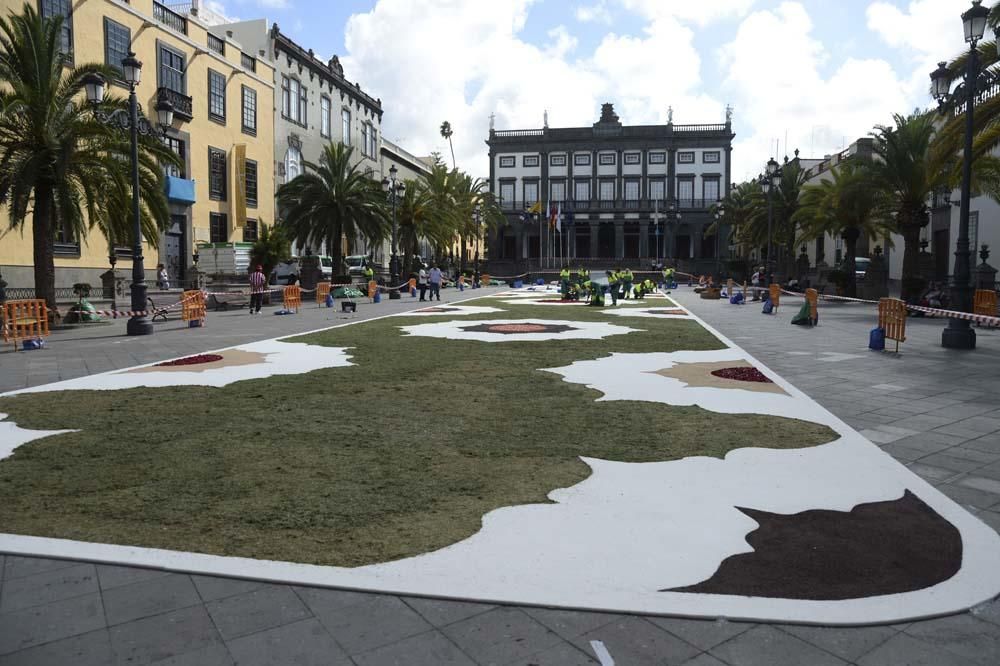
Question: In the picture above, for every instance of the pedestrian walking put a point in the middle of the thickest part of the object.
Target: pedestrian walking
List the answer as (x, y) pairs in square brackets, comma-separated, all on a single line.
[(434, 278), (258, 285), (422, 282), (613, 286)]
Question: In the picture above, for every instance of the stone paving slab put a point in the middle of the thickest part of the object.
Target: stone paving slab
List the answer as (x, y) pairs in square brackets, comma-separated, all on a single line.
[(832, 360)]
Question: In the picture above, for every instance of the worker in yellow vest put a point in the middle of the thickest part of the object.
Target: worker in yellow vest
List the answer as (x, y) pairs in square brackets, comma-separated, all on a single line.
[(564, 282), (627, 278), (613, 281)]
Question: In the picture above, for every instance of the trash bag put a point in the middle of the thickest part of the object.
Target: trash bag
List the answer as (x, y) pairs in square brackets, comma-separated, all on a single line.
[(804, 316), (876, 339), (768, 307)]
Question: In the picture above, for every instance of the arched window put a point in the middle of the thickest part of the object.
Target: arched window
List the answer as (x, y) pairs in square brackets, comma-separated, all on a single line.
[(293, 164)]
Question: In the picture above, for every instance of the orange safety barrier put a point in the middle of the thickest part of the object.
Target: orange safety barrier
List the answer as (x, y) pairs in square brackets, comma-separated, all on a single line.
[(292, 297), (774, 292), (484, 280), (812, 298), (322, 291), (372, 288), (193, 306), (412, 284), (985, 302), (24, 320), (892, 319)]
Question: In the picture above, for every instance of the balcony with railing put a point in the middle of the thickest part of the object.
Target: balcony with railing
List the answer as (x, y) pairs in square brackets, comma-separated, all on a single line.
[(169, 18), (650, 206), (183, 107), (248, 62), (217, 44)]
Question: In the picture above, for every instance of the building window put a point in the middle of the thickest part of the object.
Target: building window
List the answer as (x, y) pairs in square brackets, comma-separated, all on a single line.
[(686, 157), (216, 95), (507, 194), (607, 191), (172, 70), (581, 190), (373, 136), (529, 160), (633, 158), (345, 123), (53, 8), (177, 147), (250, 231), (251, 183), (365, 145), (218, 228), (217, 174), (117, 44), (606, 159), (685, 190), (581, 159), (657, 190), (293, 164), (658, 157), (324, 116), (303, 106), (249, 110), (293, 100), (530, 192), (710, 189), (217, 44), (286, 98), (557, 190), (507, 161), (248, 62), (631, 190), (557, 160), (711, 157)]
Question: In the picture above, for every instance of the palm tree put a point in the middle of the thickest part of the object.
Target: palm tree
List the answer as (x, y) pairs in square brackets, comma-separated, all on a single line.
[(909, 169), (58, 164), (419, 219), (333, 199), (849, 205), (446, 133)]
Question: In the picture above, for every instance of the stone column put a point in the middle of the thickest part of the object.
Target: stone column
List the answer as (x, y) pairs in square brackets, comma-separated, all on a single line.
[(619, 239), (644, 239), (595, 233)]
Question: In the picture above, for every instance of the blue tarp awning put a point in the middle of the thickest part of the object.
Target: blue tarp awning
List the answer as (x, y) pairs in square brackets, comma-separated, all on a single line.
[(180, 190)]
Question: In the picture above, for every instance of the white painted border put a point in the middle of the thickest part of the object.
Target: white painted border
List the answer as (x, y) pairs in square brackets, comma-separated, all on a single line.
[(977, 581)]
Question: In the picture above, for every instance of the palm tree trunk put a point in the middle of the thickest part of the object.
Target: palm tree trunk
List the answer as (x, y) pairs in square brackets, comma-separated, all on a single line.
[(911, 282), (452, 146), (44, 247), (851, 235), (462, 247)]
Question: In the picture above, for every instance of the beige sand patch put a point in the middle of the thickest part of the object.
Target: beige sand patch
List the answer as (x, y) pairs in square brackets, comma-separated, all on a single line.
[(231, 358), (700, 375)]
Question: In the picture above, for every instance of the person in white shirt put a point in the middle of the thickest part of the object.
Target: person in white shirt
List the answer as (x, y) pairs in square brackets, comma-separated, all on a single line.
[(422, 283), (435, 281)]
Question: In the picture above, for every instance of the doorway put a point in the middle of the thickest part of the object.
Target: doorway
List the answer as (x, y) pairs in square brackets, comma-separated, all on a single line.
[(174, 259), (941, 249)]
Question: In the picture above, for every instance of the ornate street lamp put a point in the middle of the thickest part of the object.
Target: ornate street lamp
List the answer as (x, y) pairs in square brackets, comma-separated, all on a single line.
[(959, 334), (475, 278), (95, 86), (394, 190), (672, 218), (720, 212), (770, 182)]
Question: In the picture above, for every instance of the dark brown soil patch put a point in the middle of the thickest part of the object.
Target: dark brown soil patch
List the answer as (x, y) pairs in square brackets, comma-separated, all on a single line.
[(875, 549), (438, 309), (520, 328), (742, 375)]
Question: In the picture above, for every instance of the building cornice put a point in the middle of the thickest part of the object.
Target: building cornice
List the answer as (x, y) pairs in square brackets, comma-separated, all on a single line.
[(333, 76)]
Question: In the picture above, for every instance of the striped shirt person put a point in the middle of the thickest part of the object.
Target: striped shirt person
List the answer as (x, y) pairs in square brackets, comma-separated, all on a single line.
[(258, 285)]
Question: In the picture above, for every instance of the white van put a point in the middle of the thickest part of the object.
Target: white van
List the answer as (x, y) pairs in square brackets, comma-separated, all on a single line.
[(289, 271)]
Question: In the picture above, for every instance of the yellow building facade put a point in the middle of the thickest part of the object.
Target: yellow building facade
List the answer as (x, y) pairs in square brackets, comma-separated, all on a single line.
[(223, 129)]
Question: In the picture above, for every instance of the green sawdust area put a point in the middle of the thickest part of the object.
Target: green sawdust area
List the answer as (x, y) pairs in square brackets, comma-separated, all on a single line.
[(398, 455)]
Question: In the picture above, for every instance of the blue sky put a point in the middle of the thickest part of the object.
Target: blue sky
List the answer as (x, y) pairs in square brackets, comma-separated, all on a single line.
[(822, 72)]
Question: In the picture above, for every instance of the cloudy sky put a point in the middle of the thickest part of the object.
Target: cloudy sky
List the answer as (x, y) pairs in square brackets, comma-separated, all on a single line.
[(818, 72)]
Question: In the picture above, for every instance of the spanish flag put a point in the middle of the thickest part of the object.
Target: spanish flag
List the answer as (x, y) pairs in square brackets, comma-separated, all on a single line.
[(536, 209)]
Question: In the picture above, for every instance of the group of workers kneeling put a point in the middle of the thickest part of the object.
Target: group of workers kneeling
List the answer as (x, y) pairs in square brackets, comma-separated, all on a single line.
[(621, 284)]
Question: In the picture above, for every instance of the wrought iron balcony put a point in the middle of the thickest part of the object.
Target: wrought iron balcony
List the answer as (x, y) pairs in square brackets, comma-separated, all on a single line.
[(650, 206), (169, 18), (182, 103)]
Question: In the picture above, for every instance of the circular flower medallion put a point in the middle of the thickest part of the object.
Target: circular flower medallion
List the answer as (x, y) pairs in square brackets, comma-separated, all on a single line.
[(513, 329), (191, 360), (742, 374)]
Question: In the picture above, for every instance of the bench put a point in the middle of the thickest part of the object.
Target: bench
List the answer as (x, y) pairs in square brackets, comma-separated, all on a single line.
[(156, 312)]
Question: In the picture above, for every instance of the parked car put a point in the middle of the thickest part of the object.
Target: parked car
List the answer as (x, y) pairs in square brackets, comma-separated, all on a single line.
[(356, 265), (861, 265), (288, 272)]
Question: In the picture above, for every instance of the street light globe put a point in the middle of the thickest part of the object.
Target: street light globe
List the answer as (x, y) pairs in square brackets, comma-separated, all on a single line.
[(392, 172), (164, 113), (131, 69), (385, 184), (940, 81), (974, 21), (93, 84), (772, 166), (401, 187)]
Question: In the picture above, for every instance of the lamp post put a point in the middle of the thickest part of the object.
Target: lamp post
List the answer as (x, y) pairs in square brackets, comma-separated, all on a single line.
[(672, 218), (95, 85), (770, 181), (720, 212), (475, 275), (394, 189), (959, 334)]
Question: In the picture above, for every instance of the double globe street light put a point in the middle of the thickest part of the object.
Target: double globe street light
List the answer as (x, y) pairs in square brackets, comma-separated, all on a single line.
[(770, 181), (394, 190), (95, 85), (959, 333)]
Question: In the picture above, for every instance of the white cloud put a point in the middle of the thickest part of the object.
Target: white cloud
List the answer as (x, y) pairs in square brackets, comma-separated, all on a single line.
[(562, 42), (789, 95), (700, 13), (596, 13)]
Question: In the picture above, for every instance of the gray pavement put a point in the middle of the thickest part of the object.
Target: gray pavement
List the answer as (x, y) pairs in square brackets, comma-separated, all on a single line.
[(935, 410)]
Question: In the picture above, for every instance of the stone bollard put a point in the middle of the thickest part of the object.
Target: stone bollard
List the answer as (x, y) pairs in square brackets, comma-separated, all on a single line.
[(985, 275)]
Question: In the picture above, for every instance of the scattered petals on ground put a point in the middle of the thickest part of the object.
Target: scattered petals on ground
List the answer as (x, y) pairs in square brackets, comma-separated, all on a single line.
[(533, 330), (12, 436), (448, 309), (252, 361), (665, 311)]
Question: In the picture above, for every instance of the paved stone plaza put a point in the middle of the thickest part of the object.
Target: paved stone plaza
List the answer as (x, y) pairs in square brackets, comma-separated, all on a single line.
[(933, 409)]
